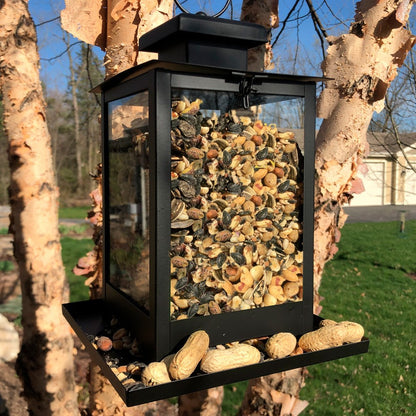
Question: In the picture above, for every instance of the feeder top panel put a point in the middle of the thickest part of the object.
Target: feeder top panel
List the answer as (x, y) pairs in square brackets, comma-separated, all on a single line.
[(185, 27), (141, 69)]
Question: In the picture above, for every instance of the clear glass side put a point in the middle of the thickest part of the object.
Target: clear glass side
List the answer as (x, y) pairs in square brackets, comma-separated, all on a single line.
[(128, 177), (236, 202)]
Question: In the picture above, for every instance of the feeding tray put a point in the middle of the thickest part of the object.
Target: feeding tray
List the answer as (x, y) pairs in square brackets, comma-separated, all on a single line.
[(90, 319)]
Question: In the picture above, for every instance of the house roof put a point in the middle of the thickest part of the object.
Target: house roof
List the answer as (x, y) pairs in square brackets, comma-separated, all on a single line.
[(385, 144)]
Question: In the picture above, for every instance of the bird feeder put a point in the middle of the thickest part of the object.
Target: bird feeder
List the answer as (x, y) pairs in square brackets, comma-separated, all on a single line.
[(208, 205)]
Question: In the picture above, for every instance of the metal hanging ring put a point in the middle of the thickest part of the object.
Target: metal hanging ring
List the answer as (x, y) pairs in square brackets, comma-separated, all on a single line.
[(215, 15)]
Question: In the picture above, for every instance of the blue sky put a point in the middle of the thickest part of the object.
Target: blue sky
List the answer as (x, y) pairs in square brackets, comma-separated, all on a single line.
[(54, 72)]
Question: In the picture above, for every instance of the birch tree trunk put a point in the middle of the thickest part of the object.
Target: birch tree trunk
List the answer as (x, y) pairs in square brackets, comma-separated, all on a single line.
[(264, 13), (45, 362), (347, 105)]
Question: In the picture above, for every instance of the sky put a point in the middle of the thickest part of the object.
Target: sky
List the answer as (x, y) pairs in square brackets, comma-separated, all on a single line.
[(54, 62)]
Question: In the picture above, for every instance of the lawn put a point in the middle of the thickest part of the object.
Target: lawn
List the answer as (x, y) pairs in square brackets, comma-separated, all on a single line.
[(72, 250), (369, 281), (73, 212)]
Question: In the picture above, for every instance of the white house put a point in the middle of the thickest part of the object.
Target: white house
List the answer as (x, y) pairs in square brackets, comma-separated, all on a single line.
[(387, 175)]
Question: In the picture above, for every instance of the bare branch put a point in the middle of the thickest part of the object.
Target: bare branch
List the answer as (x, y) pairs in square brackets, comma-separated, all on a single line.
[(285, 21), (397, 135), (334, 15), (62, 53), (47, 21), (319, 29)]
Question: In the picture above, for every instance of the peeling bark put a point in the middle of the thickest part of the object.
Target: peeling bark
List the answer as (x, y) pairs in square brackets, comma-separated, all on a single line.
[(362, 64), (274, 395), (263, 13), (202, 403), (127, 21), (45, 362), (86, 20)]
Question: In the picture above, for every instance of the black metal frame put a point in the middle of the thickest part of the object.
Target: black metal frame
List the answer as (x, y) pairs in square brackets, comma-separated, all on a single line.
[(157, 332)]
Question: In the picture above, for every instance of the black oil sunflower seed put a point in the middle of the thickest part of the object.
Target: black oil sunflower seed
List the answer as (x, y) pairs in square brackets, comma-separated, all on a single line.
[(193, 309), (238, 258), (262, 154)]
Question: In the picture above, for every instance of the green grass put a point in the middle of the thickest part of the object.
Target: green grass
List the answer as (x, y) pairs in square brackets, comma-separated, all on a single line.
[(6, 266), (72, 250), (233, 396), (368, 282), (73, 229), (73, 212)]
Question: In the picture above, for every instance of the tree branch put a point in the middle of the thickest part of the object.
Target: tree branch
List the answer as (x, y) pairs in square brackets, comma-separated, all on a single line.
[(284, 23), (47, 21), (62, 53), (319, 29)]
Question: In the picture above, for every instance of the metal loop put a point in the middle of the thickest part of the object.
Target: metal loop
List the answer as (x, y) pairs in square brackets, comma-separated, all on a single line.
[(215, 15)]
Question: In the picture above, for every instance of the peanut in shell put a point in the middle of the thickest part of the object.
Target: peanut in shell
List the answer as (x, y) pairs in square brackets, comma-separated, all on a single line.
[(236, 356), (188, 357), (331, 335), (280, 345), (155, 373)]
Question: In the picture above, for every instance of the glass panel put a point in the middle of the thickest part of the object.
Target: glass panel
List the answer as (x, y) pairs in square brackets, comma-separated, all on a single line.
[(236, 202), (129, 196)]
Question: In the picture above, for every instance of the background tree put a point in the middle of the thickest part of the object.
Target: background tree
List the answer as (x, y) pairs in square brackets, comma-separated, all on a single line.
[(4, 168), (69, 149), (45, 362)]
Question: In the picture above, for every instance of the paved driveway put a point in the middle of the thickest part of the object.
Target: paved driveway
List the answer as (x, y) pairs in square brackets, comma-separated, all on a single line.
[(382, 213)]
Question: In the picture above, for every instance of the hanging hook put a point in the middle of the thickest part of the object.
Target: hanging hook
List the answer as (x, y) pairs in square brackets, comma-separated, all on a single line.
[(246, 88), (215, 15)]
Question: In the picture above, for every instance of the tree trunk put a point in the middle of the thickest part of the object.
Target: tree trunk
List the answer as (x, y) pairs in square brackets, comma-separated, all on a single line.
[(45, 362), (127, 21), (275, 394), (346, 105), (203, 403), (263, 13)]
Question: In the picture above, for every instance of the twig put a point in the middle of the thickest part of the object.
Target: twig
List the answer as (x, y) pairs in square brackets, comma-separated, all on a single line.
[(285, 22), (47, 21), (62, 53), (319, 29)]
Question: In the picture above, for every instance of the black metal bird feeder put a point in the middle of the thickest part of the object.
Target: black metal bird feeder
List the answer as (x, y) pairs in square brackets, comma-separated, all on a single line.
[(208, 206)]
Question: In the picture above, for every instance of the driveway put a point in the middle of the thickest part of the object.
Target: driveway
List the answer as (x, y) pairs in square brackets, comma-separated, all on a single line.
[(383, 213)]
